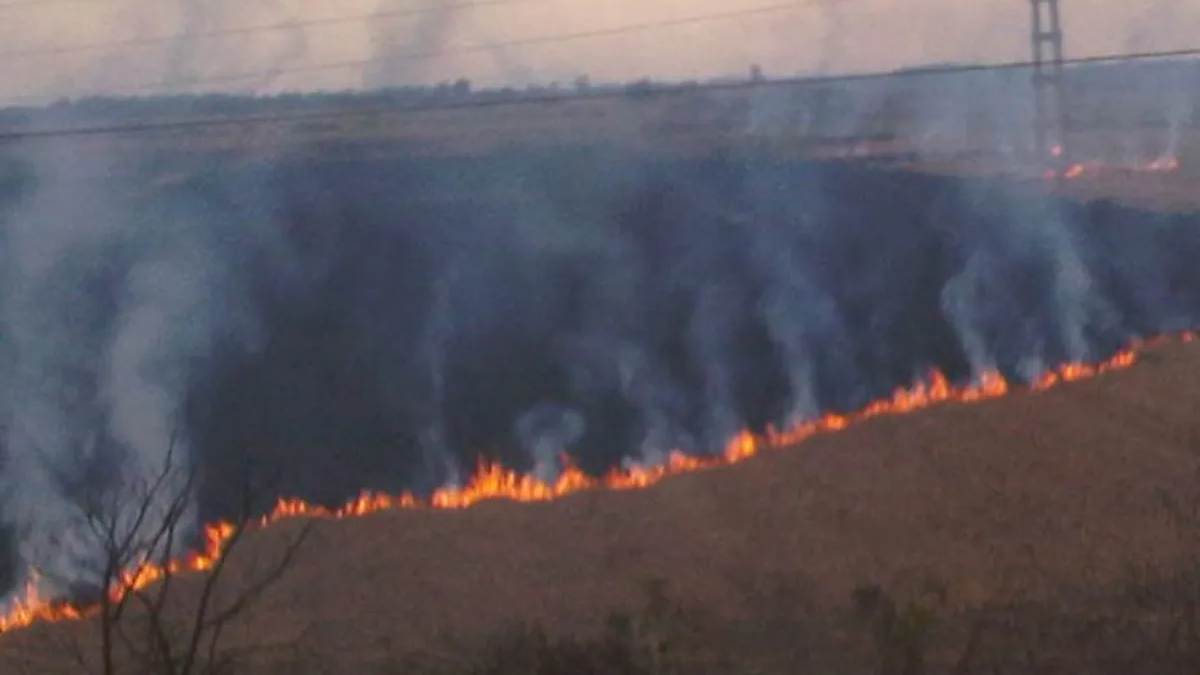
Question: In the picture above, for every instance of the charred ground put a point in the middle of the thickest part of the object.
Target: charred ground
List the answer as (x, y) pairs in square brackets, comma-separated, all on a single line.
[(567, 264)]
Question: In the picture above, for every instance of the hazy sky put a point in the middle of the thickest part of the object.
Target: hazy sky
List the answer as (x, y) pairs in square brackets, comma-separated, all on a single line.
[(45, 44)]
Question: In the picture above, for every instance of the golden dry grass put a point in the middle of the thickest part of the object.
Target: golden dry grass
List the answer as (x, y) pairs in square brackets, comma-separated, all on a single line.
[(1023, 496)]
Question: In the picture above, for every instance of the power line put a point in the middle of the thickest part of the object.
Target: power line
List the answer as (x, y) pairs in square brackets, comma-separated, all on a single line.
[(250, 30), (474, 49), (363, 111), (520, 42)]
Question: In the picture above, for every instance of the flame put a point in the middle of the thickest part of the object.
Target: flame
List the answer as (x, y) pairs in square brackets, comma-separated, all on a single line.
[(1164, 164), (492, 481)]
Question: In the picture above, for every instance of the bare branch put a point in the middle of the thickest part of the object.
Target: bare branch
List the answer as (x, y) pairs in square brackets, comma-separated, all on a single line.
[(138, 524)]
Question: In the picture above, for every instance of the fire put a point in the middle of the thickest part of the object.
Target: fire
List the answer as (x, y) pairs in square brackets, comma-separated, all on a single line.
[(492, 481), (1165, 164)]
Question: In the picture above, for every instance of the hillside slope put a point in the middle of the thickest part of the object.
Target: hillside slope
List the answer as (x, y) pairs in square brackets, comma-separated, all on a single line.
[(1031, 492)]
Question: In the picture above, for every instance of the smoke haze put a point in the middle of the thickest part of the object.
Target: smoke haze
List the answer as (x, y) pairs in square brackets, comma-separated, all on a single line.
[(824, 36), (111, 305), (380, 324)]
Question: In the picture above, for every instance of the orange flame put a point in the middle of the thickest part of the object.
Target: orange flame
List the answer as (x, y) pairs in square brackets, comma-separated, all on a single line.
[(1165, 164), (492, 481)]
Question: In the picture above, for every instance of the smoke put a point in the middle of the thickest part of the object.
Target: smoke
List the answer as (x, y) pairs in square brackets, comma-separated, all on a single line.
[(112, 305), (833, 37), (1180, 108), (182, 63), (1157, 25), (1029, 244), (828, 37), (432, 353), (349, 326), (384, 324), (397, 40), (543, 432), (621, 308), (292, 48), (199, 51)]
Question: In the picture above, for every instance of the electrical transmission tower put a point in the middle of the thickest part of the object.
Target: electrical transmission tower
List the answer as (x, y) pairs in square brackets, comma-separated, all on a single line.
[(1048, 88)]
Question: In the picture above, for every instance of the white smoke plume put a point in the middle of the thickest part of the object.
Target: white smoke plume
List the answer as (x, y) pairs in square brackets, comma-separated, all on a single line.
[(397, 41), (109, 310), (543, 432)]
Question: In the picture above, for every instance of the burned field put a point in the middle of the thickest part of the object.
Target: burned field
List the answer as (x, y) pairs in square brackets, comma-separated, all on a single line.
[(623, 309), (348, 325)]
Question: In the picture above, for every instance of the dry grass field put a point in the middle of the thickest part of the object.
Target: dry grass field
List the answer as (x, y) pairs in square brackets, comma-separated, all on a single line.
[(1035, 507)]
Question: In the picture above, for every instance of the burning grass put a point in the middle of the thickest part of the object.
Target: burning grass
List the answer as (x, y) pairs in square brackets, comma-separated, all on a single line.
[(496, 482)]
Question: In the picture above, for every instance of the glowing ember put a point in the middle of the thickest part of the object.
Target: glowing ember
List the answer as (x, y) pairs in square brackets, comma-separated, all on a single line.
[(495, 482)]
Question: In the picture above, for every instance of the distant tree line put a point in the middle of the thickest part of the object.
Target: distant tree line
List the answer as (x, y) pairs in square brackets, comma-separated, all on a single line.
[(1086, 82), (135, 108)]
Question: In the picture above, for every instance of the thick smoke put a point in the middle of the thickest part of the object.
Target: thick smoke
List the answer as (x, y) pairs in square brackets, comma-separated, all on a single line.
[(622, 307), (112, 303), (382, 324)]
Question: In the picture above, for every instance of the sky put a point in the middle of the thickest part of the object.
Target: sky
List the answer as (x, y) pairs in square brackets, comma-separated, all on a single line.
[(53, 48)]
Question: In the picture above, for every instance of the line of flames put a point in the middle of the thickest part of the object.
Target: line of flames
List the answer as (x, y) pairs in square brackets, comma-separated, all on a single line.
[(1161, 165), (1164, 164), (492, 481)]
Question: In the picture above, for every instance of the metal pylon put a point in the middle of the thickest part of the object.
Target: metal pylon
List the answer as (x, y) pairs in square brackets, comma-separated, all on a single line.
[(1048, 88)]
